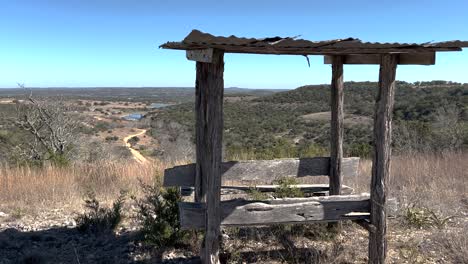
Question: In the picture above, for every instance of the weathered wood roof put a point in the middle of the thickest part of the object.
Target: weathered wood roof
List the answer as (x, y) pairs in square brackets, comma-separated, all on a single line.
[(293, 46)]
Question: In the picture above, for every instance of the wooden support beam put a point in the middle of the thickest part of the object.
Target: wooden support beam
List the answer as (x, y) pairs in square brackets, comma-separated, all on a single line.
[(381, 158), (280, 211), (201, 55), (337, 129), (209, 90), (427, 58), (262, 171)]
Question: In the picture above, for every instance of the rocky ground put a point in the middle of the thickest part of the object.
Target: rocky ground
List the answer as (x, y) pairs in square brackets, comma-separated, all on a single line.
[(52, 237)]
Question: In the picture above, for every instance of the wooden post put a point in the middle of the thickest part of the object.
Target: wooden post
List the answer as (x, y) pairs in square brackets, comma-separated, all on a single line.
[(336, 142), (209, 89), (381, 160), (336, 127)]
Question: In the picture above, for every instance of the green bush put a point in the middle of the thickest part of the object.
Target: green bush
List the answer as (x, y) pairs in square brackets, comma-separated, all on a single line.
[(112, 138), (59, 160), (285, 188), (256, 195), (159, 214), (100, 219), (102, 126), (133, 140)]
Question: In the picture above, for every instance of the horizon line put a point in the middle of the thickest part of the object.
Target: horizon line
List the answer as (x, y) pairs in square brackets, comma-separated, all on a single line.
[(193, 87)]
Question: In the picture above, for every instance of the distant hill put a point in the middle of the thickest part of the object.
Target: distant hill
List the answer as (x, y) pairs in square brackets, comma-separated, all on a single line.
[(274, 125), (139, 94)]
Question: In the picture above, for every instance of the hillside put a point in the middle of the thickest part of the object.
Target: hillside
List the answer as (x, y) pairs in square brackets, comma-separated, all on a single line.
[(280, 125)]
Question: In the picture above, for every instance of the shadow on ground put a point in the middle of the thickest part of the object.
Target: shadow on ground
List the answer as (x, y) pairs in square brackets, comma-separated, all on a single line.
[(68, 245)]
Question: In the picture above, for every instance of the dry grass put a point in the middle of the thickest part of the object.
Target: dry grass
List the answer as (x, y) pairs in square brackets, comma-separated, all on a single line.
[(52, 186), (439, 182), (434, 181)]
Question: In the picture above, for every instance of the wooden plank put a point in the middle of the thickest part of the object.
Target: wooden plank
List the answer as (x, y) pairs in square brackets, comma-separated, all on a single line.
[(310, 51), (427, 58), (201, 55), (381, 158), (209, 90), (314, 189), (279, 211), (307, 188), (264, 171)]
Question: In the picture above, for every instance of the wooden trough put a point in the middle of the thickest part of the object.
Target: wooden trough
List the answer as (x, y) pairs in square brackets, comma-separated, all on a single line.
[(209, 213), (240, 212)]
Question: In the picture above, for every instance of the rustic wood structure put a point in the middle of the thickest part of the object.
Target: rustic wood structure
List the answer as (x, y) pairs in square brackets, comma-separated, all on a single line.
[(209, 172)]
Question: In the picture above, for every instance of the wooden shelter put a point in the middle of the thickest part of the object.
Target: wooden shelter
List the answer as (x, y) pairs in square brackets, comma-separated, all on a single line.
[(209, 212)]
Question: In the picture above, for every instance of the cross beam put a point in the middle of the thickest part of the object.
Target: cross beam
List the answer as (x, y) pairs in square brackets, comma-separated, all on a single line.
[(427, 58)]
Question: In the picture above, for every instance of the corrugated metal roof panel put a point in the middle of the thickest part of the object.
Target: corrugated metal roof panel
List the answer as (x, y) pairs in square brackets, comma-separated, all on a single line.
[(291, 45)]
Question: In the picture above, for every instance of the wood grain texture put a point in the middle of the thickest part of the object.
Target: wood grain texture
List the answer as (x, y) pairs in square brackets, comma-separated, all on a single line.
[(336, 127), (381, 159), (280, 211), (306, 188), (428, 58), (203, 55), (209, 90), (336, 130), (263, 171), (308, 51)]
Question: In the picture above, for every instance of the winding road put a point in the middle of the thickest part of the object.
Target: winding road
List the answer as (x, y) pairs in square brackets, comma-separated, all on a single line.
[(135, 153)]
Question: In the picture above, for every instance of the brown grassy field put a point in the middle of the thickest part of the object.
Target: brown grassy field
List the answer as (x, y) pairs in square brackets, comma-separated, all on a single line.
[(41, 188), (433, 185)]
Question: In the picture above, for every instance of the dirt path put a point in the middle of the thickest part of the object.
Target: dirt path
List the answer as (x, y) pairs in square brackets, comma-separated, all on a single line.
[(136, 154)]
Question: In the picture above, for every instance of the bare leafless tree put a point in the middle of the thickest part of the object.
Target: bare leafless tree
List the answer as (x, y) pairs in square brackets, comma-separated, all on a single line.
[(52, 127)]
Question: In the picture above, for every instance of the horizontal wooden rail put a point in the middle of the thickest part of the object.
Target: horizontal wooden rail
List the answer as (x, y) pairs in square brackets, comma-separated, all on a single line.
[(403, 59), (307, 188), (279, 211), (265, 171), (315, 189)]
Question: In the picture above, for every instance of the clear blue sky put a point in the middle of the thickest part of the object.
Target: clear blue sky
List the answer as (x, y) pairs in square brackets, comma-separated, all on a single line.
[(46, 43)]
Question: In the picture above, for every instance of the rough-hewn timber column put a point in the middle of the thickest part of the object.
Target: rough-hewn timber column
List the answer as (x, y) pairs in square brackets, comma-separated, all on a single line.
[(336, 130), (336, 141), (209, 89), (381, 160)]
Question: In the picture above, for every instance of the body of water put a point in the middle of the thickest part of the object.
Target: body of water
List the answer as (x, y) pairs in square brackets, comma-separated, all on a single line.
[(133, 117)]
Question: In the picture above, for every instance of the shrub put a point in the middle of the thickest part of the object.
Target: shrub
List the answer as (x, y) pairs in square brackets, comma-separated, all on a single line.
[(422, 217), (59, 160), (256, 195), (100, 219), (286, 190), (133, 140), (102, 126), (112, 138), (159, 214)]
